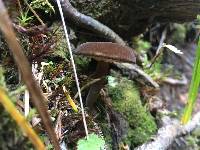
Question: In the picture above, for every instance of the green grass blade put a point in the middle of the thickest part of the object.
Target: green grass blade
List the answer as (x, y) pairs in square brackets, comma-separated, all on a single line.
[(194, 86)]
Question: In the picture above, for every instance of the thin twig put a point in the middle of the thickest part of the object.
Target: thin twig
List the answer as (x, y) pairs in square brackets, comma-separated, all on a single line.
[(19, 4), (87, 85), (172, 81), (34, 12), (40, 29), (26, 73), (158, 51)]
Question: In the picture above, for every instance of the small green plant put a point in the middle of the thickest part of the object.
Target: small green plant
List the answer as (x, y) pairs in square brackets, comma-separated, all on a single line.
[(141, 45), (198, 22), (24, 19), (94, 142), (155, 70), (193, 140), (43, 5), (193, 90), (179, 33)]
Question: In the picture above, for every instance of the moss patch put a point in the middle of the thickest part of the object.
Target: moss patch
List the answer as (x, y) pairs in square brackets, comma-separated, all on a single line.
[(126, 100), (95, 8), (11, 136)]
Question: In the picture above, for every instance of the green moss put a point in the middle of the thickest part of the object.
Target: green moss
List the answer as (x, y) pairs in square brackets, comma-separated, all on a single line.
[(179, 33), (43, 5), (126, 100), (95, 8), (82, 62), (60, 49)]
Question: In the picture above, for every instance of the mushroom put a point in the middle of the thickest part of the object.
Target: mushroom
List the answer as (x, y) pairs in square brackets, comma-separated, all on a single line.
[(104, 53)]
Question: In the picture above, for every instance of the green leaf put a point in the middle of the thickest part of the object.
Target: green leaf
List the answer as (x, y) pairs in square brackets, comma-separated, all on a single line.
[(24, 19), (92, 143), (194, 86)]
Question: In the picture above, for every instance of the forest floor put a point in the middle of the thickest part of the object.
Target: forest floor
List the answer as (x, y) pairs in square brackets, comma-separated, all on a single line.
[(125, 113)]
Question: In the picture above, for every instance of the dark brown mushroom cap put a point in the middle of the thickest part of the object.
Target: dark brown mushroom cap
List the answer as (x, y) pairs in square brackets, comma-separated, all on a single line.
[(106, 51)]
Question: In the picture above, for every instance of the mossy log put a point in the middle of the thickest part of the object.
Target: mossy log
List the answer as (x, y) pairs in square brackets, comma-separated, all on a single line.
[(132, 17), (133, 122)]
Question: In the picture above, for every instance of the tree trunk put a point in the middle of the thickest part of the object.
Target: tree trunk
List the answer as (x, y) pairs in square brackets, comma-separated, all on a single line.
[(132, 17)]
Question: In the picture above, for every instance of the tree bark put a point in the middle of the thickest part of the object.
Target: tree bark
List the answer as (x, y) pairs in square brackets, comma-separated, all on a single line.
[(132, 17)]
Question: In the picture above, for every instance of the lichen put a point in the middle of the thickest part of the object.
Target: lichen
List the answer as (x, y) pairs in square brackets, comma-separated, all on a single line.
[(126, 100)]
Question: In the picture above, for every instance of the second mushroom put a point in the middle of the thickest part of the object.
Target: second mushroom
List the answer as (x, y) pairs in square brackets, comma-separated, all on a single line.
[(104, 53)]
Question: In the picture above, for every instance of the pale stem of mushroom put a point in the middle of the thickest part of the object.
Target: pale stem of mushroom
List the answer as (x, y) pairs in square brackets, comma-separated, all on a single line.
[(101, 70), (73, 65)]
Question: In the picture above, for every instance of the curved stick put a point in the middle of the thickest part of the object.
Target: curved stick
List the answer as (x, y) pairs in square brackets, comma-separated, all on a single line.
[(89, 23), (167, 134)]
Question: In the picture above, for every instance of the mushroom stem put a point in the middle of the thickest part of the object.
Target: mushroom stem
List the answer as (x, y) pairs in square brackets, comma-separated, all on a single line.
[(101, 70)]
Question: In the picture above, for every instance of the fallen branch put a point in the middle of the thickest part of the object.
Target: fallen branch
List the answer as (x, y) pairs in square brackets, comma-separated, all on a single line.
[(172, 81), (136, 69), (167, 134), (31, 31), (89, 23)]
